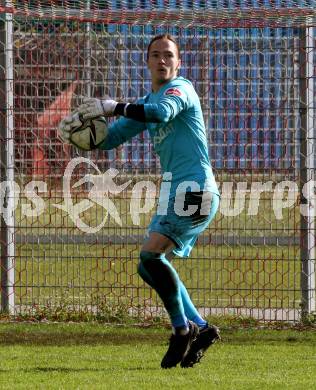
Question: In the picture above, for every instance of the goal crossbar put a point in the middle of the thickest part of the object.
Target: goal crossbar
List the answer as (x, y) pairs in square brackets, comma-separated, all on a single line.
[(238, 17)]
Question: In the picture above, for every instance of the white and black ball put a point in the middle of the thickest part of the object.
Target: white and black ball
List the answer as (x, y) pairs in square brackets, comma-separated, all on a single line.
[(90, 134)]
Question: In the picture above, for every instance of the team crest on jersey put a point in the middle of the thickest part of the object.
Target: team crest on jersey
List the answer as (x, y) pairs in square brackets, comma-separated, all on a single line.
[(173, 91)]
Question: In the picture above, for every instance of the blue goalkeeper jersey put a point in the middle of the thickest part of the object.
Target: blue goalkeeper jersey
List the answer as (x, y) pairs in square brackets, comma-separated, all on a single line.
[(175, 123)]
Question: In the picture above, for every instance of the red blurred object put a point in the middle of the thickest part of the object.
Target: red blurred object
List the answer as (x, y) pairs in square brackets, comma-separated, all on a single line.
[(47, 120)]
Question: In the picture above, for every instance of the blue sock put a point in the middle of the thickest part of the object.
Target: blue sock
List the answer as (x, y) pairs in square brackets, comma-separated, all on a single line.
[(157, 271), (200, 322), (145, 275), (189, 309)]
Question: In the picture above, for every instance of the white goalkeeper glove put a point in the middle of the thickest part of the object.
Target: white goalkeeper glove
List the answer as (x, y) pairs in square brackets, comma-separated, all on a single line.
[(92, 108), (67, 125)]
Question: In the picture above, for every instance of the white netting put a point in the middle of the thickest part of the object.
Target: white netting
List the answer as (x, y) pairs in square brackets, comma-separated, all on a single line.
[(207, 13), (254, 83)]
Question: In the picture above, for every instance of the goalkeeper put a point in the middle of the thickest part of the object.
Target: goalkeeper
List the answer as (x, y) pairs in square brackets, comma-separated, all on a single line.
[(172, 114)]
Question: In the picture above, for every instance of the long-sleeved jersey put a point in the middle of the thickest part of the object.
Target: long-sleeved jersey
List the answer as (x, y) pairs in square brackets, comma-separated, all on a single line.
[(175, 123)]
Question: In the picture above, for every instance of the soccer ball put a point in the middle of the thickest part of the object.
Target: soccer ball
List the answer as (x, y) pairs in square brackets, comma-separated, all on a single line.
[(90, 134)]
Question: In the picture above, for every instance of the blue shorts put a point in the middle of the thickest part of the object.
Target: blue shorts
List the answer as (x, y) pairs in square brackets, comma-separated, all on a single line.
[(184, 230)]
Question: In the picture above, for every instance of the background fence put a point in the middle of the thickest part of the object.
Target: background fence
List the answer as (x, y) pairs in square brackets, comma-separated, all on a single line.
[(256, 81)]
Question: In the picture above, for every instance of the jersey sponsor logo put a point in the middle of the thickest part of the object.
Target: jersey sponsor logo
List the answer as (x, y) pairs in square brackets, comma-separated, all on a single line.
[(173, 91), (161, 133)]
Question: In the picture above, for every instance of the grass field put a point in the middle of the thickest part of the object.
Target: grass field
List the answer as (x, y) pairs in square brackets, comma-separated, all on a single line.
[(56, 263), (95, 356), (266, 218), (216, 276)]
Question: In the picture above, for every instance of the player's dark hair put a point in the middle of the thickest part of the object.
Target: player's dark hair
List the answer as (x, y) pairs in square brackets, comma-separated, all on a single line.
[(163, 36)]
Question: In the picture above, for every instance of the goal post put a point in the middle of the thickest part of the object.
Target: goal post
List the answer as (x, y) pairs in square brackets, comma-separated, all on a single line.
[(307, 168), (8, 194)]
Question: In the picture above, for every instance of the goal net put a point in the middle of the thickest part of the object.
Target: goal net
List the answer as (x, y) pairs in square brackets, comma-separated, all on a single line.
[(252, 64)]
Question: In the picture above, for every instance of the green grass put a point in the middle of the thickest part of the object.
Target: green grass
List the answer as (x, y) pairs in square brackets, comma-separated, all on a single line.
[(92, 356), (81, 274), (263, 223), (216, 276)]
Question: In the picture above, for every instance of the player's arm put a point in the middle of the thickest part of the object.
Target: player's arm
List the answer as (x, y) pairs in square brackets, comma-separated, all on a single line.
[(174, 100), (162, 112), (121, 131)]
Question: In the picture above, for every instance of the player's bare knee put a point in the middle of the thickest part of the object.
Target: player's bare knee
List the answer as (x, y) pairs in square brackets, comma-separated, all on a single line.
[(147, 256), (158, 242)]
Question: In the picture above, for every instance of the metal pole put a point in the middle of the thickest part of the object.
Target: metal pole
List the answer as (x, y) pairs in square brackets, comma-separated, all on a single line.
[(87, 77), (7, 162), (87, 55), (307, 170)]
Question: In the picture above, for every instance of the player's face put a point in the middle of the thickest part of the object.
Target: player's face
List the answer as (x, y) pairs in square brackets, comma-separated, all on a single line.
[(163, 62)]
